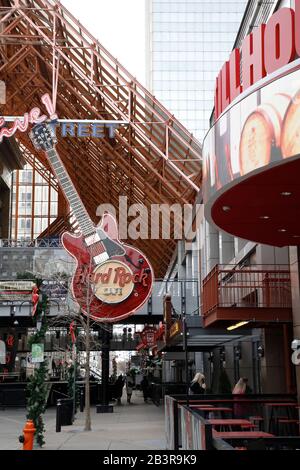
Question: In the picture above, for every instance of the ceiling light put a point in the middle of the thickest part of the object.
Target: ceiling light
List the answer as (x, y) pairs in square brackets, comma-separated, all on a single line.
[(286, 193), (296, 236), (265, 217), (226, 208), (237, 325), (282, 230)]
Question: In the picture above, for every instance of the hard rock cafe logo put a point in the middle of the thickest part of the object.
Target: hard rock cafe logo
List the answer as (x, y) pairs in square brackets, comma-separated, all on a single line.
[(113, 281)]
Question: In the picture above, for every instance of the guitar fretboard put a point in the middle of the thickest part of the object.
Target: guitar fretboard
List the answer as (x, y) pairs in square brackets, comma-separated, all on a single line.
[(69, 190)]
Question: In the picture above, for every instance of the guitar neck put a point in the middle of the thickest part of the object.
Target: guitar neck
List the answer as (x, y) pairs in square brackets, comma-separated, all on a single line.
[(70, 192)]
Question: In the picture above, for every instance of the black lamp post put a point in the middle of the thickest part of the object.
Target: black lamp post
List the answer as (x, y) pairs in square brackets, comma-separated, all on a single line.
[(185, 349), (105, 407), (185, 334)]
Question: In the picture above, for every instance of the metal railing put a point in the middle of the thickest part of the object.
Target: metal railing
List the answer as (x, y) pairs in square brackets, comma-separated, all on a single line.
[(29, 243), (258, 286), (184, 293)]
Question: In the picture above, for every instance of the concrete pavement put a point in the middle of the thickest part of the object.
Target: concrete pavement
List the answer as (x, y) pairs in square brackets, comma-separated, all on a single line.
[(135, 426)]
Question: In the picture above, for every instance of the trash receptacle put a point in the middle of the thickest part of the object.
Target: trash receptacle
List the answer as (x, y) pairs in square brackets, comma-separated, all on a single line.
[(65, 407)]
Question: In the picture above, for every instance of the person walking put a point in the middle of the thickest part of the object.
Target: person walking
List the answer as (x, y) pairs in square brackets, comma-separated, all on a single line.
[(198, 385), (241, 388), (145, 388), (129, 386), (119, 383)]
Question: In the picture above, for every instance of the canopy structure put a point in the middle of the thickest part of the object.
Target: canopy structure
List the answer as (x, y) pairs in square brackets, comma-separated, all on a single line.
[(153, 159)]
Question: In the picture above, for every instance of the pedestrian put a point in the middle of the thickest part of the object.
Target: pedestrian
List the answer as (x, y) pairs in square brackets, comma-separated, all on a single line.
[(240, 388), (118, 386), (198, 385), (129, 386), (145, 388)]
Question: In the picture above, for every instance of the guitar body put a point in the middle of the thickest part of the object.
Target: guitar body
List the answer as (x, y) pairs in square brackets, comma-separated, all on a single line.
[(114, 289)]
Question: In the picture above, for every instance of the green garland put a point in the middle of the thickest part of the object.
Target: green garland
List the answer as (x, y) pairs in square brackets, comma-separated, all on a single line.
[(37, 388), (36, 401), (70, 378)]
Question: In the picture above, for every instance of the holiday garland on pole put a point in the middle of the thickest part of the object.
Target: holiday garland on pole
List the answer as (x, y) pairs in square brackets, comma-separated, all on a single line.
[(72, 371), (37, 388)]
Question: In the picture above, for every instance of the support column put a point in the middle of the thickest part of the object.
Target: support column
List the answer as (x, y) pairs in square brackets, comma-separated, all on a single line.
[(273, 367), (105, 407), (226, 248), (212, 247), (181, 255)]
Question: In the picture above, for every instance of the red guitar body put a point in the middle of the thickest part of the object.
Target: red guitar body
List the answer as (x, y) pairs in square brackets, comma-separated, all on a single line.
[(82, 287)]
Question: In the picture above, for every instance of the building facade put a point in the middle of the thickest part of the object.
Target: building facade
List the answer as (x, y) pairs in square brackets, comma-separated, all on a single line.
[(187, 41), (258, 280), (10, 159)]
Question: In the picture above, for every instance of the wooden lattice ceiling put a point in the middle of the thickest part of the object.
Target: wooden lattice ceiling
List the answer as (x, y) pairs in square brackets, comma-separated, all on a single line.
[(153, 160)]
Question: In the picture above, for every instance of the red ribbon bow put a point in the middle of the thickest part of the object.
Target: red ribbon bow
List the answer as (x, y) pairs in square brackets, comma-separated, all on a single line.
[(72, 331), (34, 299)]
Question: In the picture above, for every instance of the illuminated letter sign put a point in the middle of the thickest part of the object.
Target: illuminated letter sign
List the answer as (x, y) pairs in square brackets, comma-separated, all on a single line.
[(33, 117), (268, 48), (280, 40), (253, 57)]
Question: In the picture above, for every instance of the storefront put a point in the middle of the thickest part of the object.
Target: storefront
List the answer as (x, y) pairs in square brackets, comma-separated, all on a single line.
[(251, 183)]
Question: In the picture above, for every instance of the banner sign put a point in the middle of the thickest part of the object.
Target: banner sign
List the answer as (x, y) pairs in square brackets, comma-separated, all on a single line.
[(37, 353), (54, 289), (16, 290), (193, 436), (148, 336), (175, 329)]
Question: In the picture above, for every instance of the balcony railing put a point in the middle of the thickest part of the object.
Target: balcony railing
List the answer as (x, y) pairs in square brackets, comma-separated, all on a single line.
[(251, 287)]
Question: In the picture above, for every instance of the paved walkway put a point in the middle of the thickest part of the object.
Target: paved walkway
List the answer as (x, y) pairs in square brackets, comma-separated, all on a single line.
[(135, 426)]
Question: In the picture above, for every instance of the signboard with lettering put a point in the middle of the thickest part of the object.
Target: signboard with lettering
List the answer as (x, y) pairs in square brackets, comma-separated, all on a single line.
[(267, 49), (16, 290), (175, 329), (148, 336)]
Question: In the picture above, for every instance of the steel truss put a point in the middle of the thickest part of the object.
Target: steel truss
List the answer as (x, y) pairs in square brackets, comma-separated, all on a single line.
[(153, 160)]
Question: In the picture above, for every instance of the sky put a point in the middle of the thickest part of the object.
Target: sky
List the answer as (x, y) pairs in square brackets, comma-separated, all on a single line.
[(119, 25)]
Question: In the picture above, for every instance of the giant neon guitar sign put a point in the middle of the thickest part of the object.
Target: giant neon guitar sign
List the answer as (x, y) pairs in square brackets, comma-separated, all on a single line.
[(112, 280)]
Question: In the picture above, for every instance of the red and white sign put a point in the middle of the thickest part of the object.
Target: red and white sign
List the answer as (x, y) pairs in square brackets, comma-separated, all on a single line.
[(268, 48), (148, 336)]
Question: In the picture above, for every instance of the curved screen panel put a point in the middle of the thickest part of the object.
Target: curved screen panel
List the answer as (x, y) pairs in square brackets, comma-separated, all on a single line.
[(259, 131)]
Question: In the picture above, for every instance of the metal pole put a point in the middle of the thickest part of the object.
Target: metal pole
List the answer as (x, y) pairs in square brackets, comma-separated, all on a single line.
[(104, 407), (58, 416), (81, 400), (185, 349), (105, 366), (74, 378)]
